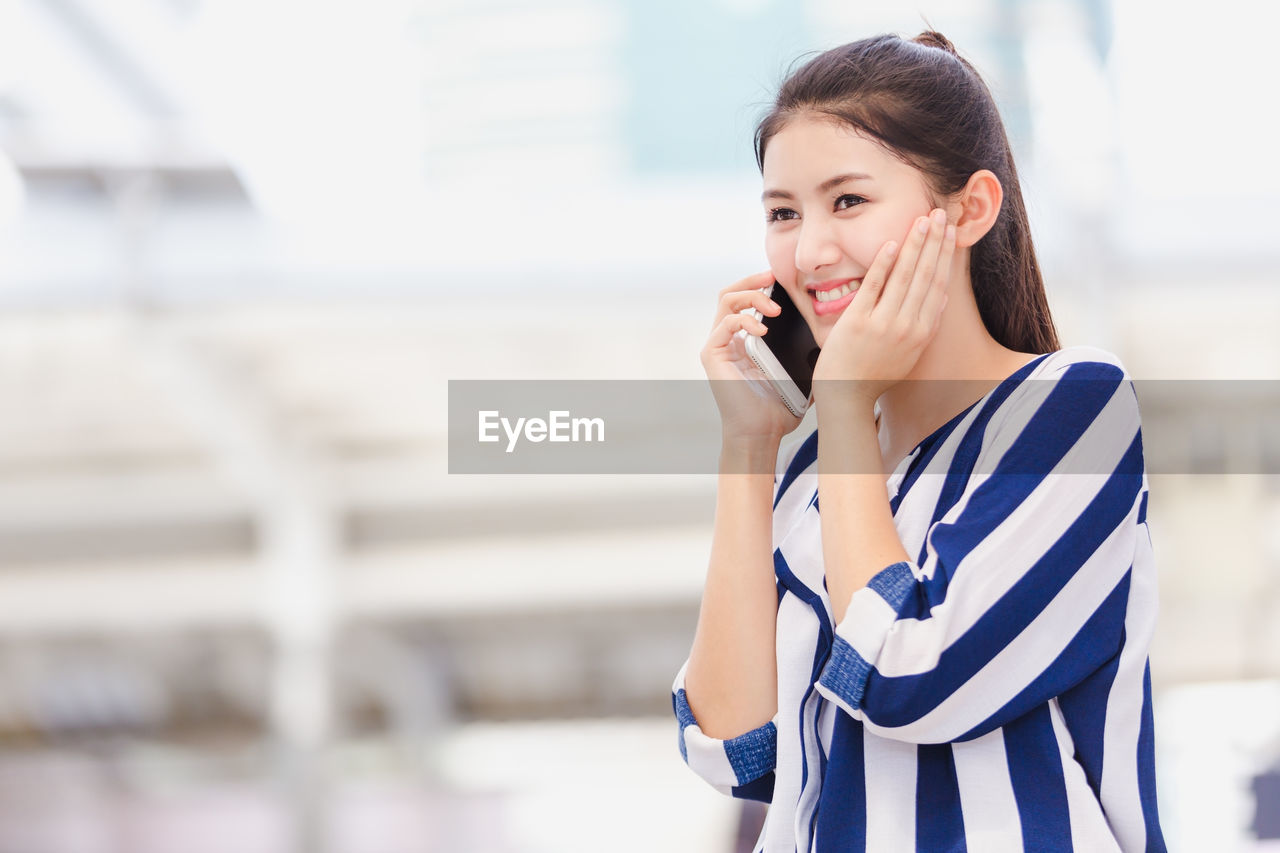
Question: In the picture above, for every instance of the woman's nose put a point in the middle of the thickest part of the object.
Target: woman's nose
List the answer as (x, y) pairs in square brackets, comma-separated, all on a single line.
[(815, 247)]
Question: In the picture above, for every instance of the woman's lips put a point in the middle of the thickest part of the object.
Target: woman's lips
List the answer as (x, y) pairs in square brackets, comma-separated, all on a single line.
[(838, 304)]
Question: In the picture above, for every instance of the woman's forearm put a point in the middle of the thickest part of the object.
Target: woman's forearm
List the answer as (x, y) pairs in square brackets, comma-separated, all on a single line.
[(731, 682), (858, 535)]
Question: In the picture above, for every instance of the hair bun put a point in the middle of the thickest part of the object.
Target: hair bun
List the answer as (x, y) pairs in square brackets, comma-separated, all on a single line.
[(933, 38)]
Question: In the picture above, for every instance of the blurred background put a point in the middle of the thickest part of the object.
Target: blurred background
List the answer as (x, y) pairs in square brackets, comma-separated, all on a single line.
[(244, 246)]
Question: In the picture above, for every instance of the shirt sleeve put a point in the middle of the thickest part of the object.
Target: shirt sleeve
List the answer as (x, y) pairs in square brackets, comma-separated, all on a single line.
[(741, 766), (1022, 588)]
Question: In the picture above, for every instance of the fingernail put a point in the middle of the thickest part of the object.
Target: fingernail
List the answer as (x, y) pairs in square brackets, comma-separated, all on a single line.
[(775, 305), (940, 216), (923, 226), (891, 249), (951, 232)]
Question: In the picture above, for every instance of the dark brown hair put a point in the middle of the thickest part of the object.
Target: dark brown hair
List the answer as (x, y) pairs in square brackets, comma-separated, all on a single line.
[(931, 109)]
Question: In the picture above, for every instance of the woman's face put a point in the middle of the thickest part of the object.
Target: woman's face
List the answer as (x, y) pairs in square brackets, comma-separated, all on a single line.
[(832, 198)]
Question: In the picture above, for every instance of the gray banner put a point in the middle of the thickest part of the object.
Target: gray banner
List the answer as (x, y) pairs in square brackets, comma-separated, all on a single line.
[(673, 426)]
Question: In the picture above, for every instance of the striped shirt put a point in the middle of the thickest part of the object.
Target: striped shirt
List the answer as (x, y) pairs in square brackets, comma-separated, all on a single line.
[(994, 694)]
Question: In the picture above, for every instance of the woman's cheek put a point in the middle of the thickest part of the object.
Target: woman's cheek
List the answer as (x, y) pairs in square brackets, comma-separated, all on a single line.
[(902, 226), (781, 254), (877, 228), (863, 246)]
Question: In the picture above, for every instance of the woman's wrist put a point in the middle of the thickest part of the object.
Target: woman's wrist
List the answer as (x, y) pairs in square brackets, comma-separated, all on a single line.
[(842, 401), (749, 454), (848, 441), (848, 394)]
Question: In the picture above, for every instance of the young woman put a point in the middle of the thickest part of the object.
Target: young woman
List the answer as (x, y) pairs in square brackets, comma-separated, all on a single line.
[(928, 630)]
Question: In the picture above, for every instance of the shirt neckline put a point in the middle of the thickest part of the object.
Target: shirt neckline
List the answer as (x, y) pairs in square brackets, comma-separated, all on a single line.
[(1018, 375)]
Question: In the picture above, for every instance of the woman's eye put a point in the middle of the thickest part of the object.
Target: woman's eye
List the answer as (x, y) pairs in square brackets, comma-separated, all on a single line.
[(780, 213), (851, 199)]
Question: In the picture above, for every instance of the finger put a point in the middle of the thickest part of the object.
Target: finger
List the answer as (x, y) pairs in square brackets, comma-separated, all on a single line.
[(874, 279), (755, 281), (724, 331), (744, 302), (937, 319), (744, 293), (936, 297), (923, 279), (896, 287)]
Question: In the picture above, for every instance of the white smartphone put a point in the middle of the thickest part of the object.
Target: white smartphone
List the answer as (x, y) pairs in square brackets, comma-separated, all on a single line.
[(787, 354)]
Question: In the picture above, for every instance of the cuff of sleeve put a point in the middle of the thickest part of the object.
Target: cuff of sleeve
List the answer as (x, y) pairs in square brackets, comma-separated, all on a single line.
[(724, 763), (860, 636)]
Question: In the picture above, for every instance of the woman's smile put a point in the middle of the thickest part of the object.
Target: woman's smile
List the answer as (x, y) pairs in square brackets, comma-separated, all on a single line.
[(831, 297)]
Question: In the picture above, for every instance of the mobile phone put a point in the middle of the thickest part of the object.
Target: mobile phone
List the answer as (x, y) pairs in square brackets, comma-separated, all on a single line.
[(787, 354)]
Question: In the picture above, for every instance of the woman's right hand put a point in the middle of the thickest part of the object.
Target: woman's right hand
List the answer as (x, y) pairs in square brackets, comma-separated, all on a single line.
[(750, 409)]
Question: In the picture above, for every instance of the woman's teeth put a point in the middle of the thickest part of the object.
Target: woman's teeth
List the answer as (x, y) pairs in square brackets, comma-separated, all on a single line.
[(835, 292)]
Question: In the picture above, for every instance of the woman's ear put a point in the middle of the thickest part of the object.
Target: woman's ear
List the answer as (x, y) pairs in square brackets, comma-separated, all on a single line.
[(976, 208)]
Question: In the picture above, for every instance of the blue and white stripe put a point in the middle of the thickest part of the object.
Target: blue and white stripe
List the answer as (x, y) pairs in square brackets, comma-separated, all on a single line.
[(993, 693)]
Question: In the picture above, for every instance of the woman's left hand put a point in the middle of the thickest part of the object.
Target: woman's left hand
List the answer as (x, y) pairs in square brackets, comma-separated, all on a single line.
[(894, 315)]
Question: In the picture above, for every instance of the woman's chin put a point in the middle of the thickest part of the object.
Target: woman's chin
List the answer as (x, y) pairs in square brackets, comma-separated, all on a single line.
[(820, 325)]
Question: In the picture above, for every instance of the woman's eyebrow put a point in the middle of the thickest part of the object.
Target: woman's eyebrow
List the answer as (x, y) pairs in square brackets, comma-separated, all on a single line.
[(826, 186)]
